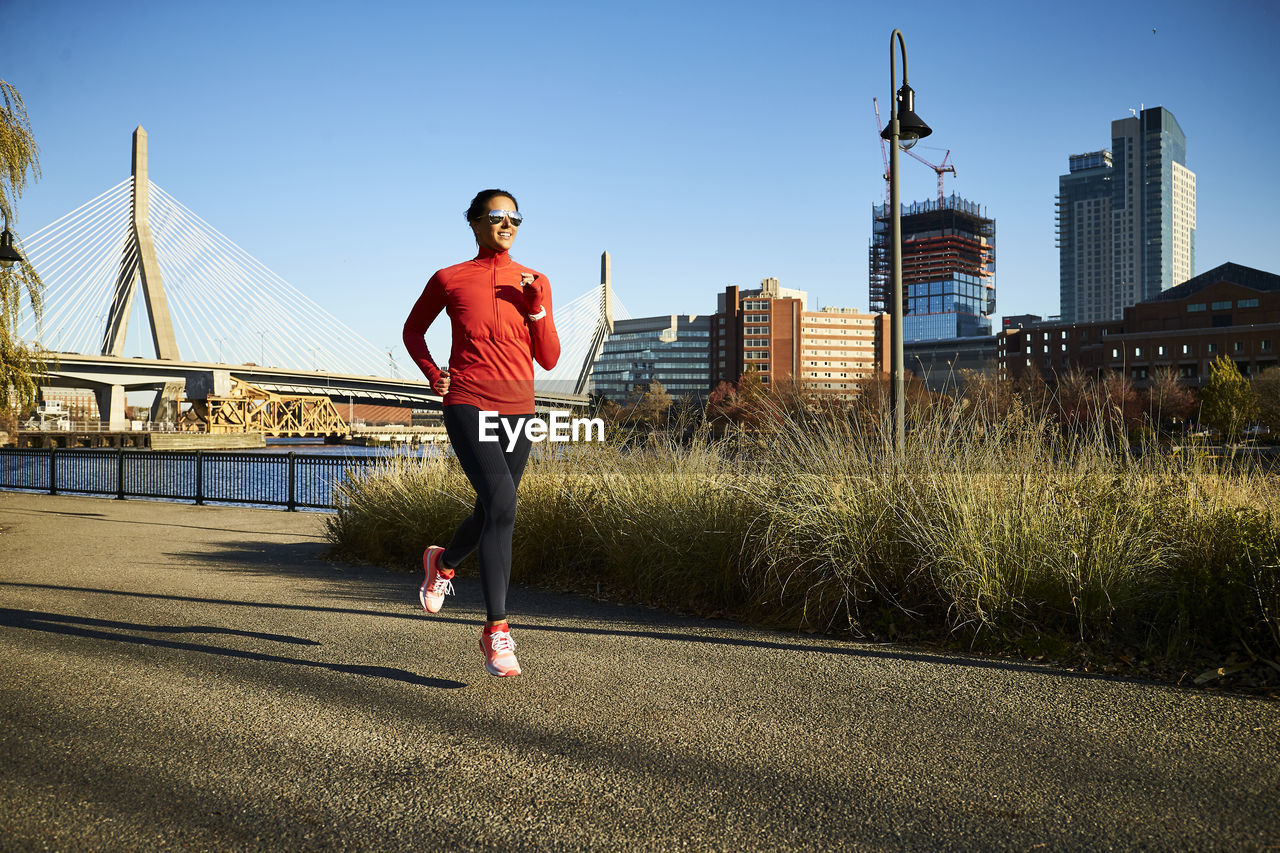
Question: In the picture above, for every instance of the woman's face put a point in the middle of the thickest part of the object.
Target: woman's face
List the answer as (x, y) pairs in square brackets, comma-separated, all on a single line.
[(497, 238)]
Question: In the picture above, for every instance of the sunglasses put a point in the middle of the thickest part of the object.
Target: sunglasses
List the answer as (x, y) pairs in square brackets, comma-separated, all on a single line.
[(496, 216)]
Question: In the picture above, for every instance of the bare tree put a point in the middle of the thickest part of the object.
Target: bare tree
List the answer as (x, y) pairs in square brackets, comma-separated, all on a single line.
[(1168, 402)]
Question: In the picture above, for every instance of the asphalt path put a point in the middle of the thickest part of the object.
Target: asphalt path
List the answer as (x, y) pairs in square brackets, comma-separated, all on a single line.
[(205, 678)]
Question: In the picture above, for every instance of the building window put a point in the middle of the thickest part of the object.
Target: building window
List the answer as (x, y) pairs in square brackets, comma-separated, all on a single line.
[(1187, 371), (1211, 348), (1237, 346), (1265, 345), (1115, 353), (1222, 306), (1198, 306), (1247, 303), (1137, 352), (1186, 349)]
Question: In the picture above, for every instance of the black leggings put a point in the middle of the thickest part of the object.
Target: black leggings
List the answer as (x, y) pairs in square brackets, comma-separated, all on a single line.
[(494, 473)]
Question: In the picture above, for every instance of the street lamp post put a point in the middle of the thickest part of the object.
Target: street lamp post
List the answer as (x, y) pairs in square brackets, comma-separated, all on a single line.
[(905, 128), (8, 254)]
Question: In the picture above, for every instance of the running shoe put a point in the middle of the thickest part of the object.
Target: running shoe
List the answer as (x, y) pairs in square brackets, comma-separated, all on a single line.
[(499, 650), (437, 583)]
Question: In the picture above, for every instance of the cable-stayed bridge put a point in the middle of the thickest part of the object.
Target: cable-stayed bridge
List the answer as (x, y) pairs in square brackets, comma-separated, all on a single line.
[(216, 316)]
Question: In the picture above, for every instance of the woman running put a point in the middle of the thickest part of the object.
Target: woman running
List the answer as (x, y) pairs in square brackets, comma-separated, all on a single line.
[(500, 312)]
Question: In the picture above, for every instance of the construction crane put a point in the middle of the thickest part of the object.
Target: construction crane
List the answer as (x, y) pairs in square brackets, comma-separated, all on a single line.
[(945, 167), (884, 152)]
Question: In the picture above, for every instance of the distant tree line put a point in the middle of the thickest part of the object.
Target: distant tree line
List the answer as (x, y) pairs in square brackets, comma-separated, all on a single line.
[(1230, 404)]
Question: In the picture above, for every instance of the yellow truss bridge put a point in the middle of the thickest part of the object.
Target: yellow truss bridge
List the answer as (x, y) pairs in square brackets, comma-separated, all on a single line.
[(249, 408)]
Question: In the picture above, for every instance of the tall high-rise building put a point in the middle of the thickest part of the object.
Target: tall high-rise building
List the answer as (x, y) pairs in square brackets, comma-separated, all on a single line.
[(1126, 219), (1085, 269), (948, 268)]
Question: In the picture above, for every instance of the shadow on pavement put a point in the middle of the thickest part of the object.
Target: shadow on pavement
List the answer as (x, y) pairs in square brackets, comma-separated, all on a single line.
[(55, 623), (678, 634), (377, 583), (132, 522), (287, 559), (160, 629)]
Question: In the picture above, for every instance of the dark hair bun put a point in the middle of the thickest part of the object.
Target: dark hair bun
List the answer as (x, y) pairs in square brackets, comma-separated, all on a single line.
[(480, 204)]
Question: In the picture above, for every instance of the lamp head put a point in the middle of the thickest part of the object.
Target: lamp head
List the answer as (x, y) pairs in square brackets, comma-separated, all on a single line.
[(8, 255), (911, 128)]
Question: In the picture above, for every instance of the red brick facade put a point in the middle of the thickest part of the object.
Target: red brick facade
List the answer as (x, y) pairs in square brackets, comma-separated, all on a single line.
[(1230, 310)]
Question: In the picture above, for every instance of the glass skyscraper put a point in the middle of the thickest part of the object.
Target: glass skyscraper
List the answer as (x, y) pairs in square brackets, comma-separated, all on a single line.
[(1126, 219), (673, 349), (1084, 244)]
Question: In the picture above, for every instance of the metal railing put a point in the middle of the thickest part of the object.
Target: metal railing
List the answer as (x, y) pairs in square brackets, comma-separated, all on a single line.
[(291, 480)]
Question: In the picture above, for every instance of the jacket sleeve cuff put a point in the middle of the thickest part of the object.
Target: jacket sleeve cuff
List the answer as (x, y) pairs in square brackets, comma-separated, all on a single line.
[(542, 312)]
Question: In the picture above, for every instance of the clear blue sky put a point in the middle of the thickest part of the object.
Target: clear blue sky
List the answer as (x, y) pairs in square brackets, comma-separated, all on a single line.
[(701, 144)]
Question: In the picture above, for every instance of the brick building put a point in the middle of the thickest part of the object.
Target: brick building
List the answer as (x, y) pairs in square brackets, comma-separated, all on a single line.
[(1230, 310), (833, 350), (80, 404), (760, 328)]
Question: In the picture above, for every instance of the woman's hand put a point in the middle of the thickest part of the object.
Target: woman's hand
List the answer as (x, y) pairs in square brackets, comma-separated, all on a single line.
[(441, 385), (533, 288)]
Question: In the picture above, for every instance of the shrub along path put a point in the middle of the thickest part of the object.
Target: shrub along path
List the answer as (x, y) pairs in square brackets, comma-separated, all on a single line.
[(204, 677)]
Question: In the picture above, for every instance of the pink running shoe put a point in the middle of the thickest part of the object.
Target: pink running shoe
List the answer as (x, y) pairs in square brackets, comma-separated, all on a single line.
[(438, 582), (499, 650)]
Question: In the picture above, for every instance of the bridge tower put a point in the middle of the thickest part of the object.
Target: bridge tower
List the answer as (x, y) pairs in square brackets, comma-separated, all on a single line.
[(603, 328), (138, 261)]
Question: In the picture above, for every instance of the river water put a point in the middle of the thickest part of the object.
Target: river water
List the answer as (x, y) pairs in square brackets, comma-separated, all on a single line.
[(283, 472)]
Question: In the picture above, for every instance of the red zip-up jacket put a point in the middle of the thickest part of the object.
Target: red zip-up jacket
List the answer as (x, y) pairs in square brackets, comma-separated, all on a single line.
[(494, 341)]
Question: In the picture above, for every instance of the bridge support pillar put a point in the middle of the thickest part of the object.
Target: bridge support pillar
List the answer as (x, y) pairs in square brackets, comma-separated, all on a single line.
[(111, 406), (165, 408)]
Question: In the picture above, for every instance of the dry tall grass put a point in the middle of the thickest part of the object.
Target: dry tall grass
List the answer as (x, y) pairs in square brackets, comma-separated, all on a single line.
[(988, 528)]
